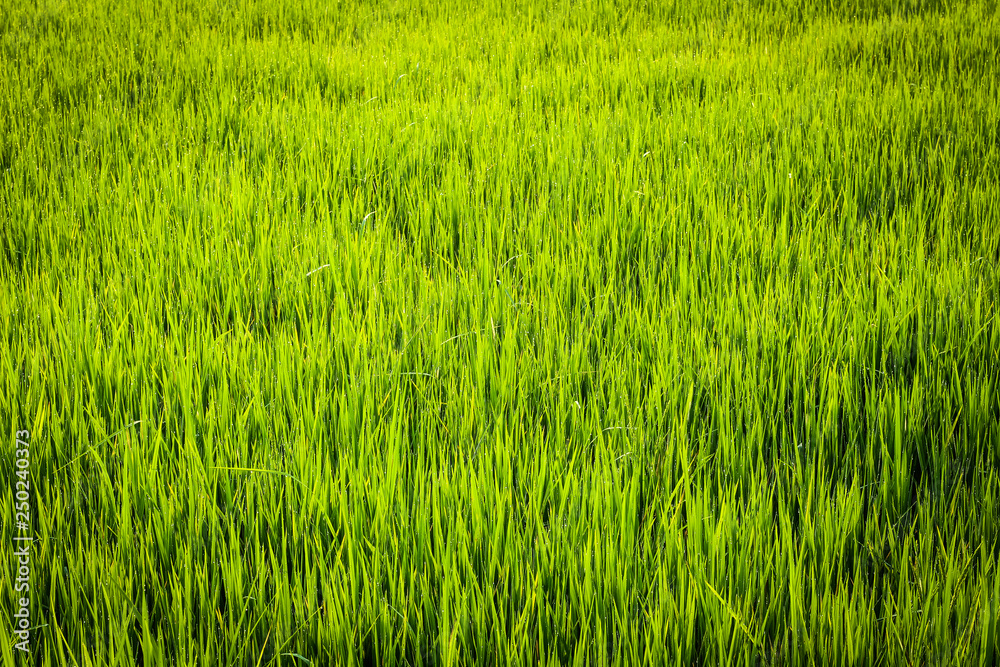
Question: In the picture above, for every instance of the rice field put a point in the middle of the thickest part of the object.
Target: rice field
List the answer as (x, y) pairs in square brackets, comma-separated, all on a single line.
[(530, 333)]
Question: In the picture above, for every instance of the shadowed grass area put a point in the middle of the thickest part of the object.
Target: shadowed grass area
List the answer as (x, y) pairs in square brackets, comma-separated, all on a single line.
[(567, 333)]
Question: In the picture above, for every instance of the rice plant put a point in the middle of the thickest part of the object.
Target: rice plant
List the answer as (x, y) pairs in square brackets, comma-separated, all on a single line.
[(548, 332)]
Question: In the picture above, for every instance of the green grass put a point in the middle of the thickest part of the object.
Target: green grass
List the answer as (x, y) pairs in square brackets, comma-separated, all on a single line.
[(413, 333)]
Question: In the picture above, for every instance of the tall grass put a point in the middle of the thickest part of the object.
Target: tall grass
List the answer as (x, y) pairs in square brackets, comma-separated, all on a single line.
[(571, 333)]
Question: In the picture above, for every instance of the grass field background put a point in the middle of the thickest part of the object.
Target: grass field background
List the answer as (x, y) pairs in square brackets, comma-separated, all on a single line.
[(557, 333)]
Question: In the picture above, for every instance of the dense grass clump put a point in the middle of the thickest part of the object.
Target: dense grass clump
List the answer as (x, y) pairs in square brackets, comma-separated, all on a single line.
[(565, 333)]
